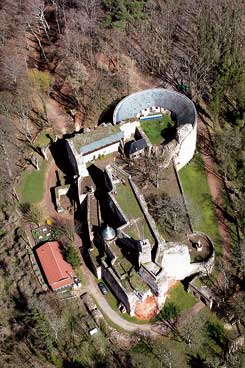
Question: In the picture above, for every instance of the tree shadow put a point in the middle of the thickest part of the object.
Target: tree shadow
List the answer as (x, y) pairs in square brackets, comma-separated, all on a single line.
[(71, 364), (196, 361), (168, 134), (107, 114)]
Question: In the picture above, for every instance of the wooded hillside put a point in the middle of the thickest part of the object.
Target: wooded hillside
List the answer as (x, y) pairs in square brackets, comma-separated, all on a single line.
[(64, 64)]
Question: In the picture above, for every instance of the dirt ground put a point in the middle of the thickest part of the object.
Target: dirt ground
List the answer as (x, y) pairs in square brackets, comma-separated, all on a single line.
[(60, 120), (146, 310)]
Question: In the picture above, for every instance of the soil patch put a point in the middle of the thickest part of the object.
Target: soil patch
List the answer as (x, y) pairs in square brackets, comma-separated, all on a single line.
[(147, 309)]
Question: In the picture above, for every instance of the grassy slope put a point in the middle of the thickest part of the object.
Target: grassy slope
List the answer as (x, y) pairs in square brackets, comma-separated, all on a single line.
[(199, 202), (181, 298), (31, 185), (130, 206), (127, 201)]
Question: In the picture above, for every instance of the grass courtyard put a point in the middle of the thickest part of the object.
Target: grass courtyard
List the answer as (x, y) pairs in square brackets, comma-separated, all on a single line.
[(199, 202), (31, 186), (182, 299), (154, 128), (130, 206)]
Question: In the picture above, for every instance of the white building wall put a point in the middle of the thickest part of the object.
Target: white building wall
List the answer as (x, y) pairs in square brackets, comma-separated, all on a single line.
[(186, 150), (102, 151), (82, 160)]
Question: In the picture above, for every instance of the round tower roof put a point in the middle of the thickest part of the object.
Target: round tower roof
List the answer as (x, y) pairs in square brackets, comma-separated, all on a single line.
[(108, 233)]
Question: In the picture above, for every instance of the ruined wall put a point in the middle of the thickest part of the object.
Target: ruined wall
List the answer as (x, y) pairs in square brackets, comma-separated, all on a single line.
[(127, 298), (187, 149), (129, 128)]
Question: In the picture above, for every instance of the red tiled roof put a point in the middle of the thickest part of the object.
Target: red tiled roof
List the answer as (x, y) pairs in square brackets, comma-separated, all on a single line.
[(58, 272)]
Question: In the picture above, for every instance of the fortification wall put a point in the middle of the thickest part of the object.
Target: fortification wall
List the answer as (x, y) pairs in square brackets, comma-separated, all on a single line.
[(187, 149), (127, 298), (181, 107)]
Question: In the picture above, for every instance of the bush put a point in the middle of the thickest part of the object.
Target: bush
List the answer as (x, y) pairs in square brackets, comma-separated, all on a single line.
[(170, 312), (72, 256), (31, 213), (118, 13)]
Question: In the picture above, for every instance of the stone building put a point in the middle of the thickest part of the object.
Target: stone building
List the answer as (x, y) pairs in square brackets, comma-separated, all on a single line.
[(127, 251), (128, 262), (94, 144)]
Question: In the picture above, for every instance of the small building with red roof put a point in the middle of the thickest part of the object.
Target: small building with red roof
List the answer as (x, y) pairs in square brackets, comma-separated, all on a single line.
[(58, 272)]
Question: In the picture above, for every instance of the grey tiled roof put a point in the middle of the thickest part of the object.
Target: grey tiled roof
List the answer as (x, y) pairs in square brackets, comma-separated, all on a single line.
[(94, 139), (101, 143)]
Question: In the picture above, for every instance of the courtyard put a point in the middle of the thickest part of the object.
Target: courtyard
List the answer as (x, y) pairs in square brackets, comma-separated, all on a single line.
[(158, 129)]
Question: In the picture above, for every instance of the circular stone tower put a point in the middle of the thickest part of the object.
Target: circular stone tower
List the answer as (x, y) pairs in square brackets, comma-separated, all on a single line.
[(181, 107)]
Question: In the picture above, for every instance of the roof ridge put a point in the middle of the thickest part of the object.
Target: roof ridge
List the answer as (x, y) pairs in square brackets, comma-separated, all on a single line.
[(50, 247)]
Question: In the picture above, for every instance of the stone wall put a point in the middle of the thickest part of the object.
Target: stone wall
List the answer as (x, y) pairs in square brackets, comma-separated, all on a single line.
[(186, 149), (183, 197), (149, 278), (141, 134), (148, 217), (96, 268), (127, 298), (180, 105)]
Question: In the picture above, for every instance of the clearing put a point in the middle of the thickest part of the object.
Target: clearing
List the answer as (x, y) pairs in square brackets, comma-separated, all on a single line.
[(31, 185)]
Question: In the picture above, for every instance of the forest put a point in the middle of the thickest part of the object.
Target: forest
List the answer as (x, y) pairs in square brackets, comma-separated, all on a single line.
[(64, 65)]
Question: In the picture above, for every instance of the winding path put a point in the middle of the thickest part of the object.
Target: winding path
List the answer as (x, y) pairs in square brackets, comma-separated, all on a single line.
[(92, 289), (148, 329)]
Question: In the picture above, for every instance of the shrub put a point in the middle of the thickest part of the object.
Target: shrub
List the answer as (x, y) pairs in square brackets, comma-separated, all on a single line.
[(72, 256)]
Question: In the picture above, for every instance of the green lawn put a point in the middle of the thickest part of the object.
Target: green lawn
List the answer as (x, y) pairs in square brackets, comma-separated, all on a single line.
[(195, 185), (154, 128), (181, 298), (31, 185), (131, 208), (127, 201)]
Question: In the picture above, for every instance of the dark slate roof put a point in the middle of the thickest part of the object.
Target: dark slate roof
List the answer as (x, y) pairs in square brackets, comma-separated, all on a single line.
[(137, 146)]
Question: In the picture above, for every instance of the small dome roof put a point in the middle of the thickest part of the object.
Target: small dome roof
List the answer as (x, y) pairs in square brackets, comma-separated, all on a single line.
[(108, 233)]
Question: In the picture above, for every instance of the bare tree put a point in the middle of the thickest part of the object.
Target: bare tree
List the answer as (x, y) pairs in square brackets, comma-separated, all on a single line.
[(168, 211)]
